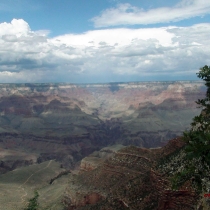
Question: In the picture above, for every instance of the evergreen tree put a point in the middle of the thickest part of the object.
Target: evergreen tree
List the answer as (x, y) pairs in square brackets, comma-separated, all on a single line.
[(197, 159)]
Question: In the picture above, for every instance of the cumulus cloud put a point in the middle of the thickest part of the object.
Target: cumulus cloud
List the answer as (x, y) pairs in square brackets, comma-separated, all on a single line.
[(126, 14), (102, 55)]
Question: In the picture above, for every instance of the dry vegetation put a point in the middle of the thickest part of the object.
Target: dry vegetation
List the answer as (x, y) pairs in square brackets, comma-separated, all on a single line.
[(18, 186)]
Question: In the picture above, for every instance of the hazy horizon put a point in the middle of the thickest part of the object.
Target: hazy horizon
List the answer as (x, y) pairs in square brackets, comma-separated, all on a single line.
[(100, 83)]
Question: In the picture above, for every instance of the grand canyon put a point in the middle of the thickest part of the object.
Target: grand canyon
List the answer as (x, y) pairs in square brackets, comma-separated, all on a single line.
[(93, 146)]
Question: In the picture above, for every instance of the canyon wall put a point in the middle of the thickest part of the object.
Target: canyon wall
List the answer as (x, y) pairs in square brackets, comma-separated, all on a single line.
[(67, 122)]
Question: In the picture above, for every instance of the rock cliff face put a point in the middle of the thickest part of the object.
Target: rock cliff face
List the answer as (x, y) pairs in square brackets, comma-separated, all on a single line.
[(67, 122), (95, 159), (130, 180)]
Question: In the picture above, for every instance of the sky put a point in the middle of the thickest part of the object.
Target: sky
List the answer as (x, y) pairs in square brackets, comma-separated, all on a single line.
[(99, 41)]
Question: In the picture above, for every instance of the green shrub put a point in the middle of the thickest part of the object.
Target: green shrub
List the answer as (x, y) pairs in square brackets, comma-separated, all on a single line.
[(33, 202), (197, 140)]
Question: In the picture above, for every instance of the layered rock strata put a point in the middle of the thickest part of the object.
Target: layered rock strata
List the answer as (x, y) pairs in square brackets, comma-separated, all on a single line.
[(67, 122), (130, 180)]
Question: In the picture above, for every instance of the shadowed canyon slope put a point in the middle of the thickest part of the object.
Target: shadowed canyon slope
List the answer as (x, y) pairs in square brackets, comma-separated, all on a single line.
[(66, 122)]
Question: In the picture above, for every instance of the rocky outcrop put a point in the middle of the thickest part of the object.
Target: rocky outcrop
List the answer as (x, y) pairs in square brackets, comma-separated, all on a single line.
[(182, 199), (130, 180), (81, 200), (95, 159), (90, 163)]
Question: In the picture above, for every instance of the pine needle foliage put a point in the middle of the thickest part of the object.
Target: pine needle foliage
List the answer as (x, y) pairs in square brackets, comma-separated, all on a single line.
[(197, 140)]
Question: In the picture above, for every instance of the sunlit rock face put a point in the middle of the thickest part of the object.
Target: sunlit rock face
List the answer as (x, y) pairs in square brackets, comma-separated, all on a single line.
[(67, 122), (130, 179), (95, 159)]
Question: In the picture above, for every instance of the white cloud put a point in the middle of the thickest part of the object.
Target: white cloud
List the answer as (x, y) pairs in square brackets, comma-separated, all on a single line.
[(16, 27), (126, 14), (121, 36), (102, 55)]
